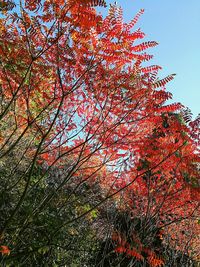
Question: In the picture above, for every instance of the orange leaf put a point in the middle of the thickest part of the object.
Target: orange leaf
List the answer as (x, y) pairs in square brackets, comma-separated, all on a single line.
[(4, 250)]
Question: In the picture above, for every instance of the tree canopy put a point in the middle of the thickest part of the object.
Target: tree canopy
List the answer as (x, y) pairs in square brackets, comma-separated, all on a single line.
[(97, 168)]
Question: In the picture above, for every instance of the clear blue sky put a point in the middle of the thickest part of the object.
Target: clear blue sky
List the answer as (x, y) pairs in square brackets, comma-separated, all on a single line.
[(175, 25)]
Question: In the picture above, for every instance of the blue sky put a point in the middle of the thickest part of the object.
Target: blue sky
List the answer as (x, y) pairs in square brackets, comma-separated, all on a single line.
[(175, 25)]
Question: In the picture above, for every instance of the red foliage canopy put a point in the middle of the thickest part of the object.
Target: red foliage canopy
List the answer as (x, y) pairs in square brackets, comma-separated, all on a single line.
[(77, 83)]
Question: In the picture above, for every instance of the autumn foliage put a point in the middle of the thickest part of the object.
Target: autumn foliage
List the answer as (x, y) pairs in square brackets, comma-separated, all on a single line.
[(84, 123)]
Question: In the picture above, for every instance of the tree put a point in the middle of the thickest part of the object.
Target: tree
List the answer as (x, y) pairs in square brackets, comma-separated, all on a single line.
[(83, 121)]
